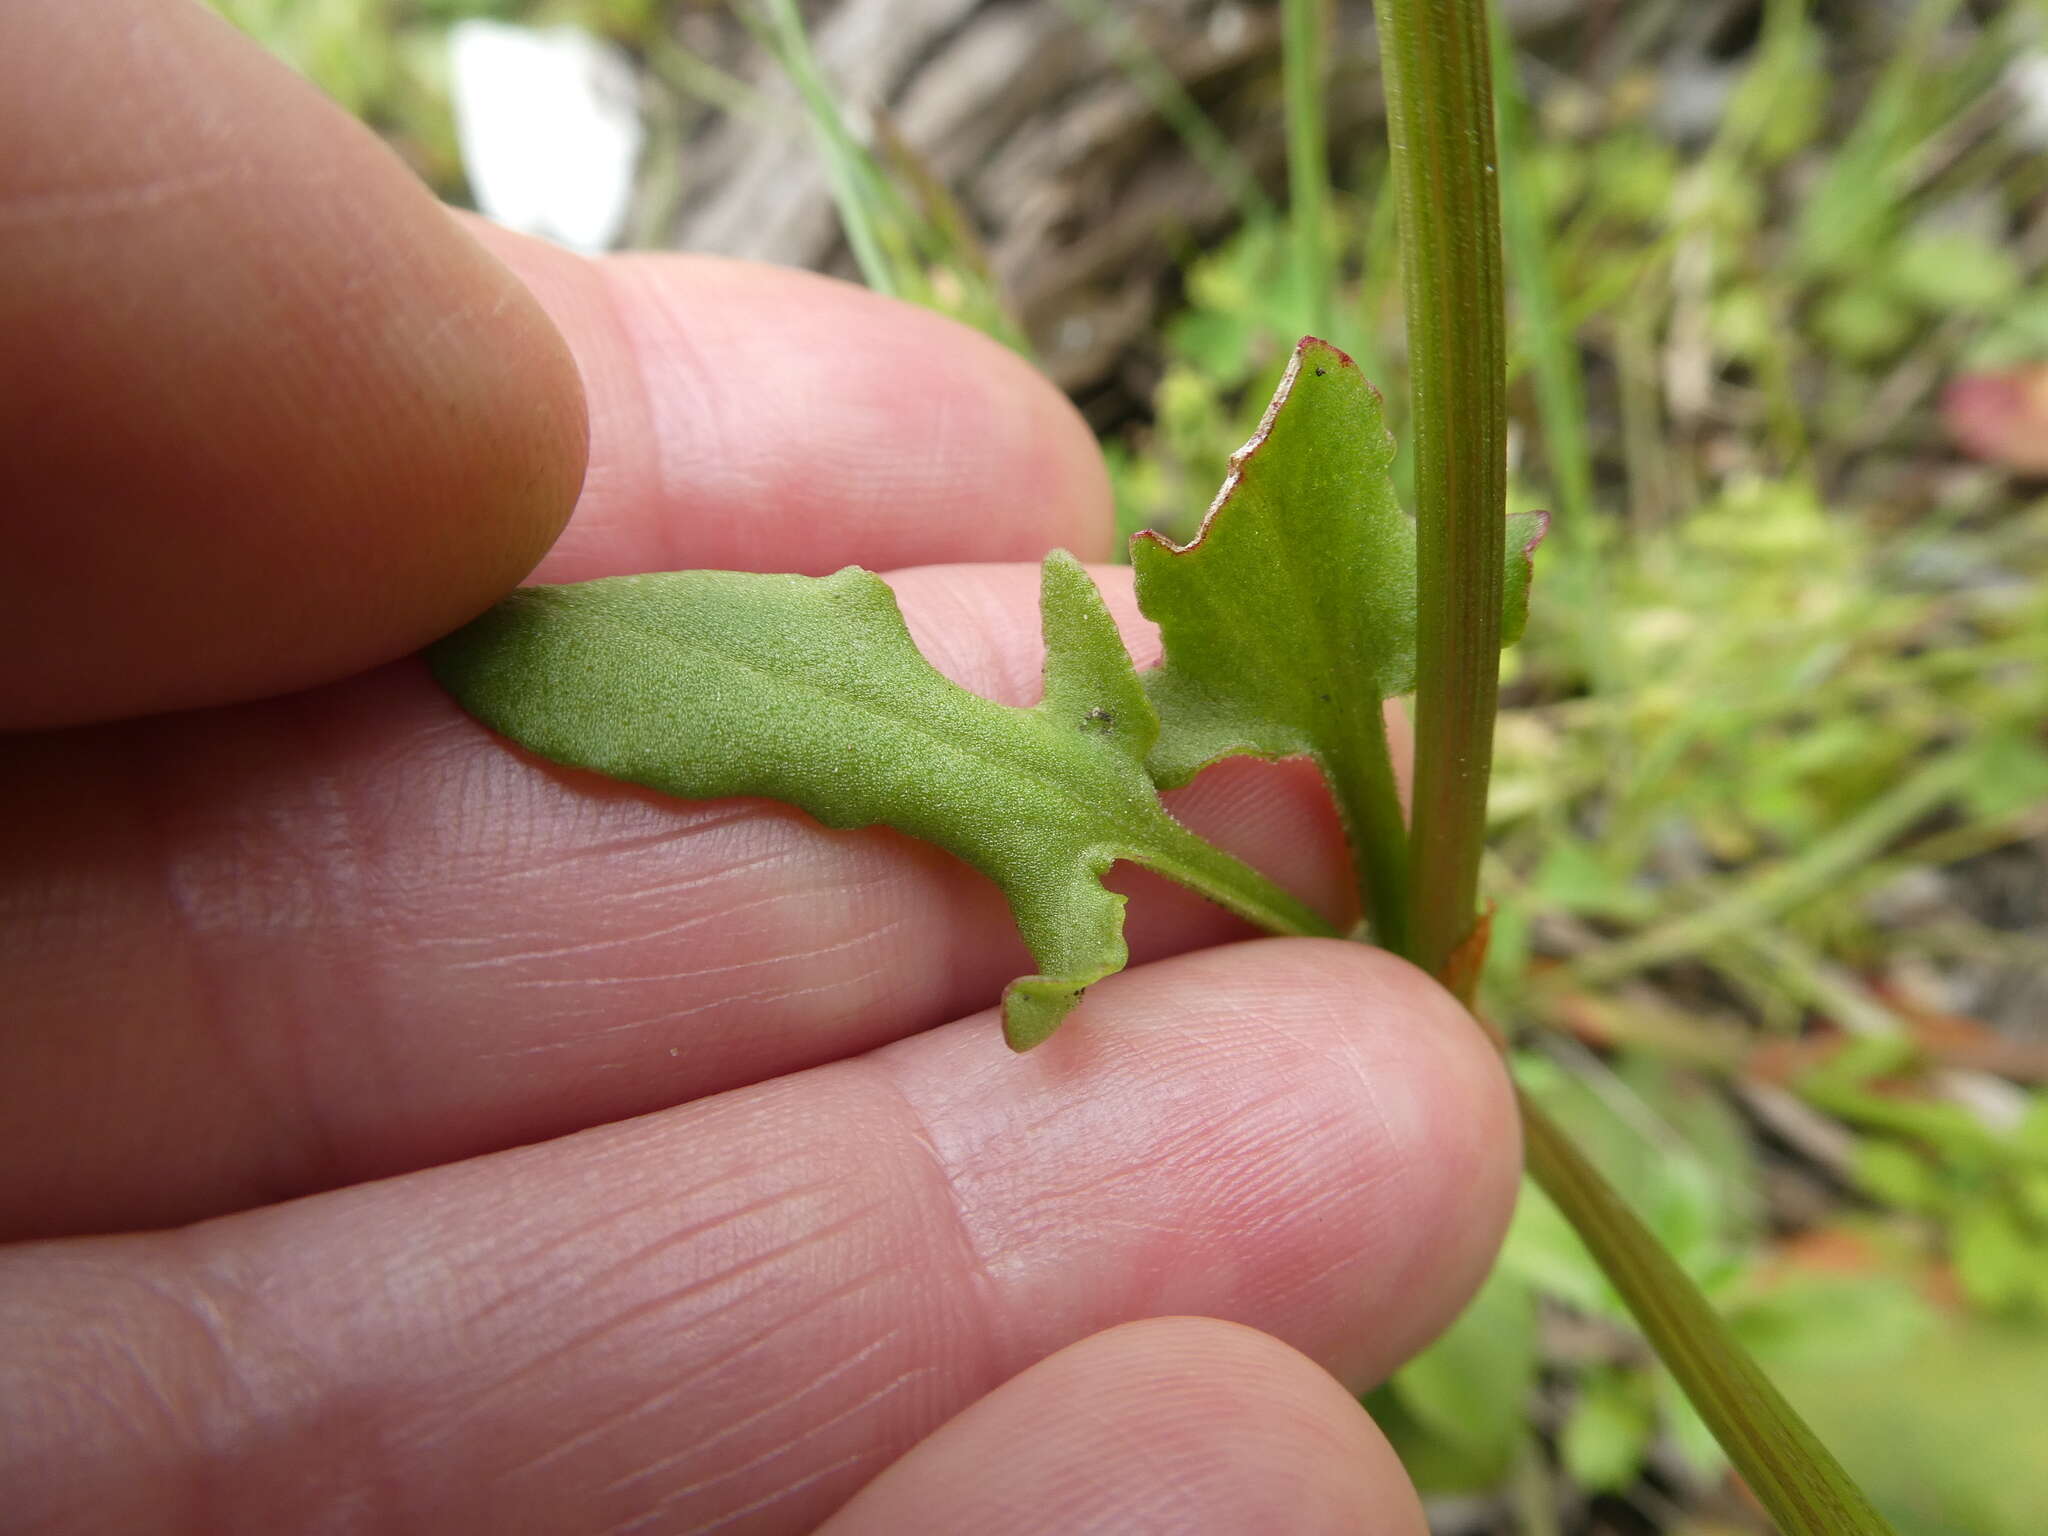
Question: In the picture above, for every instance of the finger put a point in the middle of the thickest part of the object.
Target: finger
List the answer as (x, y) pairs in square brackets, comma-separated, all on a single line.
[(268, 416), (746, 417), (342, 935), (741, 1310), (1182, 1426)]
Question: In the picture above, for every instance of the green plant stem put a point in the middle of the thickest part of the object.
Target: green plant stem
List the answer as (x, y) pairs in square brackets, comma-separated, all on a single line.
[(1302, 57), (1784, 1464), (1359, 768), (1779, 889), (1435, 58), (687, 74), (1812, 982), (1236, 887)]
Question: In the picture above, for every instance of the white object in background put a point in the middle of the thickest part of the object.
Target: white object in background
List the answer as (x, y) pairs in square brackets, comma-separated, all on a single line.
[(2026, 78), (549, 126)]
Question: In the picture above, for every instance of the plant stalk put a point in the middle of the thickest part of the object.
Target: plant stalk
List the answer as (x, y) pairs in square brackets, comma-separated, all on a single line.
[(1232, 884), (1435, 57), (1435, 60), (1785, 1465), (1359, 768)]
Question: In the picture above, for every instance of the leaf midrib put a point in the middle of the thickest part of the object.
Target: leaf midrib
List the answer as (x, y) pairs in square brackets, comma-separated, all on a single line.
[(934, 679)]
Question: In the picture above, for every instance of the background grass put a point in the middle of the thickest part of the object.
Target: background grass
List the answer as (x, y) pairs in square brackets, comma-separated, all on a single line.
[(1772, 793)]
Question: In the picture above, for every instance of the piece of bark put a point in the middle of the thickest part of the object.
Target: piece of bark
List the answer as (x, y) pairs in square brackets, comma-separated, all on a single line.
[(1083, 197)]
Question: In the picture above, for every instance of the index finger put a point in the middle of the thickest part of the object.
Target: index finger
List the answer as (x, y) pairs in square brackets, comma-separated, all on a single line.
[(747, 417)]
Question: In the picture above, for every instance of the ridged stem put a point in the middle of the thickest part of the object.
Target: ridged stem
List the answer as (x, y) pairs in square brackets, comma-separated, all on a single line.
[(1435, 61), (1792, 1474)]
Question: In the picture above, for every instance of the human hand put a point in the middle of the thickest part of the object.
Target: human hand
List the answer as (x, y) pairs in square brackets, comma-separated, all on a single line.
[(403, 1133)]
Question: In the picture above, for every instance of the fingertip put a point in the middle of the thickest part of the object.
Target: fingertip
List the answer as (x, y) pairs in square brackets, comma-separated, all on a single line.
[(1182, 1424), (1443, 1117), (1321, 1141)]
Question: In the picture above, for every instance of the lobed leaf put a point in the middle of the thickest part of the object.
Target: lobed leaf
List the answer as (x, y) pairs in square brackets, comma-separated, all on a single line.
[(1290, 615), (707, 684)]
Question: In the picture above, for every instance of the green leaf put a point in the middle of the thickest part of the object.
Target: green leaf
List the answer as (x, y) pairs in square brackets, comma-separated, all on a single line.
[(1695, 1443), (1300, 583), (2011, 774), (1810, 1320), (1290, 617), (1436, 1466), (1573, 877), (1893, 1172), (707, 684), (1951, 1434), (1608, 1433), (1543, 1250), (1472, 1386), (1955, 271), (1994, 1261)]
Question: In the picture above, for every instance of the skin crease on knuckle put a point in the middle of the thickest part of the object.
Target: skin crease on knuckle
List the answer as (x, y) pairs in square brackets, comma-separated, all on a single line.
[(754, 1302)]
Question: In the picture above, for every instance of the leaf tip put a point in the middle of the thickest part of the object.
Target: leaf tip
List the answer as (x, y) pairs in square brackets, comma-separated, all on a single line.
[(1031, 1014), (1534, 528), (1321, 353), (1322, 358)]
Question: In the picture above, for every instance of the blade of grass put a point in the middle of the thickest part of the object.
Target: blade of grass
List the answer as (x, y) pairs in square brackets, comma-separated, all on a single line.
[(1303, 58), (1762, 898), (1848, 211), (856, 187), (689, 74), (958, 278), (1550, 346), (909, 237)]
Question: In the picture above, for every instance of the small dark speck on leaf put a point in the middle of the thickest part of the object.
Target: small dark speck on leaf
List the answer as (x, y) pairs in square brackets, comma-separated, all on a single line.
[(1102, 717), (1321, 371)]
